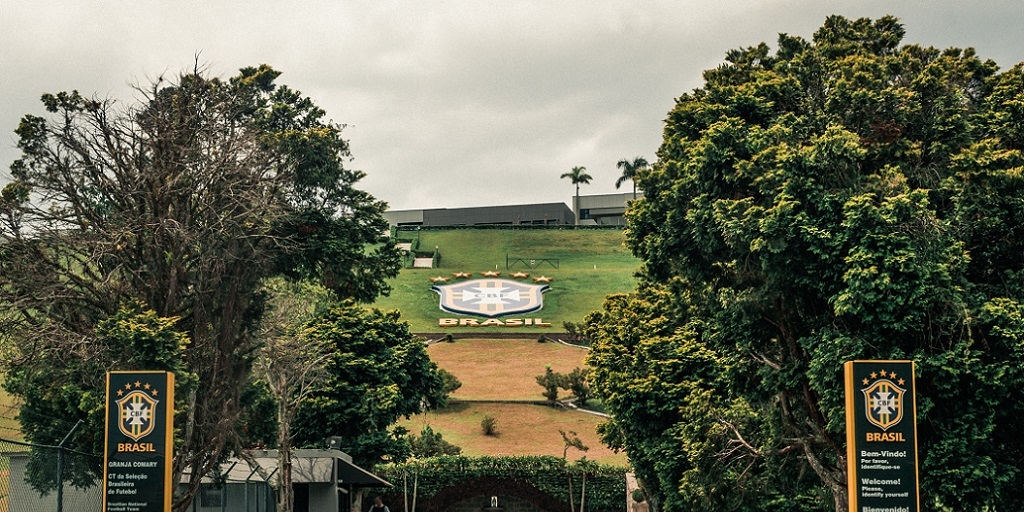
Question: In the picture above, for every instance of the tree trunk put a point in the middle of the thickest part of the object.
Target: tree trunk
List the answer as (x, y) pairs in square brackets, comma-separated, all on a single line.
[(415, 487), (583, 491), (842, 500), (572, 503), (577, 205), (285, 497)]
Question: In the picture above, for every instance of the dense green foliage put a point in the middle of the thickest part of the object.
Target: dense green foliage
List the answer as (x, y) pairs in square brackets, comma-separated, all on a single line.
[(377, 372), (184, 202), (547, 476), (131, 339), (841, 198)]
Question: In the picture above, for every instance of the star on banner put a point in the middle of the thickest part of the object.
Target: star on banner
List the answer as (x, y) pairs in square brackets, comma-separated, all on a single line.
[(543, 279), (490, 273), (521, 275), (460, 275), (439, 279)]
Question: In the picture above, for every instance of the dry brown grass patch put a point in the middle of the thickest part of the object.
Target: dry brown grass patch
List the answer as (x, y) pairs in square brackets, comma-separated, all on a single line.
[(503, 369)]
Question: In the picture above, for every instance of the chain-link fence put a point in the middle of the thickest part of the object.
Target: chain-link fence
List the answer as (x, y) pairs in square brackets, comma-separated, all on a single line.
[(37, 478)]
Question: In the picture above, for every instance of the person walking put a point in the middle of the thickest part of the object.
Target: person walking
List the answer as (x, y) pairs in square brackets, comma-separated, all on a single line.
[(378, 506)]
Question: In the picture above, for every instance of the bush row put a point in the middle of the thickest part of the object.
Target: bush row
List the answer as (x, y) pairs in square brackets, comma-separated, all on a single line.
[(605, 489)]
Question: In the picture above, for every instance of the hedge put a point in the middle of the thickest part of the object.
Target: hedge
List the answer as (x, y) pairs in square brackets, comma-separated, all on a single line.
[(546, 476)]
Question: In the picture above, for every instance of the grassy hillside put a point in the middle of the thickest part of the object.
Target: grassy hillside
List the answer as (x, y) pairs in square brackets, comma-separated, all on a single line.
[(591, 265), (505, 370), (523, 429)]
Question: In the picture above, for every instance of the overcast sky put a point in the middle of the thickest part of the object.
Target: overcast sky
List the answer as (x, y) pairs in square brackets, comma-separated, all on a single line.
[(452, 103)]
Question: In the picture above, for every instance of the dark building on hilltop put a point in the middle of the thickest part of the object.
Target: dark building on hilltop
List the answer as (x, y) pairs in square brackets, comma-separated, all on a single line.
[(548, 213), (598, 209)]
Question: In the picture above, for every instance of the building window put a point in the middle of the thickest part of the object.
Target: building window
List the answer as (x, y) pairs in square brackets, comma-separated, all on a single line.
[(584, 213), (211, 496)]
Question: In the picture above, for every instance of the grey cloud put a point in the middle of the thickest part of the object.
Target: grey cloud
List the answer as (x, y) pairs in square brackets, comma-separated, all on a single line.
[(453, 103)]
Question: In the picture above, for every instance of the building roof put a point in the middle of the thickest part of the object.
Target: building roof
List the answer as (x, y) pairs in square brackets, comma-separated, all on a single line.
[(308, 466)]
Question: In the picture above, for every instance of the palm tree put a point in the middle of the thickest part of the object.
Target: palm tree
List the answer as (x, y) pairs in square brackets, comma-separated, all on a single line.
[(629, 170), (577, 176)]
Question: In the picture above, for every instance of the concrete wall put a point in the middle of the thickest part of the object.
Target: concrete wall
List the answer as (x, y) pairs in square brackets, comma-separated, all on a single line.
[(403, 217), (322, 497), (615, 201)]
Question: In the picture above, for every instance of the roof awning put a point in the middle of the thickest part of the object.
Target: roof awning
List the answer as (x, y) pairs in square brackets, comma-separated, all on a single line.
[(308, 466), (355, 476)]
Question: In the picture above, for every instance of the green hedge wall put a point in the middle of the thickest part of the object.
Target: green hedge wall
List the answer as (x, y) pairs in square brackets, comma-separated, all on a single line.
[(546, 475)]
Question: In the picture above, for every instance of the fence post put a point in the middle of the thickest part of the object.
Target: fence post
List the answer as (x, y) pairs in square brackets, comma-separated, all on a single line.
[(60, 467)]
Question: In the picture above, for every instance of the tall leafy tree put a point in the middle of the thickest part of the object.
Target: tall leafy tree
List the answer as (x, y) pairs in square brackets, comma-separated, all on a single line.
[(629, 170), (184, 201), (289, 367), (841, 198), (376, 373), (578, 176)]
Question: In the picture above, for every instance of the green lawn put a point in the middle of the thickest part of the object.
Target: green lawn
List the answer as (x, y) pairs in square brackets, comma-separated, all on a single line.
[(591, 265)]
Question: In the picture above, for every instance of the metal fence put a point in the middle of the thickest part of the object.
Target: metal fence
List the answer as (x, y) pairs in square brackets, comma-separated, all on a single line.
[(40, 478)]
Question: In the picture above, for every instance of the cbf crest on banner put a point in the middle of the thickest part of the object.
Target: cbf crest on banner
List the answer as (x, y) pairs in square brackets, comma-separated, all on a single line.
[(139, 442), (136, 411), (881, 436), (883, 401), (491, 297)]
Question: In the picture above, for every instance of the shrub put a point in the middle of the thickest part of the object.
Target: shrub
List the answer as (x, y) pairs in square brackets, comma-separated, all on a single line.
[(430, 444), (550, 381), (638, 496), (449, 382), (576, 382), (489, 425), (571, 440), (572, 331)]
